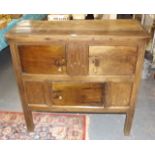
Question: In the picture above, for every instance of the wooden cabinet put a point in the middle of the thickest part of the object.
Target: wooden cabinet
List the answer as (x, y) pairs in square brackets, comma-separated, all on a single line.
[(78, 66)]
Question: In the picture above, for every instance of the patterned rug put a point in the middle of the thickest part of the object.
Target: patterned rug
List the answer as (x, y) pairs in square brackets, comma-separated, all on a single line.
[(47, 126)]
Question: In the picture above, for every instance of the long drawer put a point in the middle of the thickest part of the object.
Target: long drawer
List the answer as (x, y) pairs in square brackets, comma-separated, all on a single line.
[(78, 94)]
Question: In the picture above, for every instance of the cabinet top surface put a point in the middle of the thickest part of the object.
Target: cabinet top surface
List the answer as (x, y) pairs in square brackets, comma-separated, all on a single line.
[(75, 28)]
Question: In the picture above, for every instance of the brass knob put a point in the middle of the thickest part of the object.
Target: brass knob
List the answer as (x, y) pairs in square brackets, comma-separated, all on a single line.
[(63, 62), (60, 62), (56, 95), (60, 97), (96, 62), (59, 69)]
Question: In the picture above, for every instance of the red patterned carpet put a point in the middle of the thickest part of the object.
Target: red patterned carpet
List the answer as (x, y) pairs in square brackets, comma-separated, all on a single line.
[(47, 126)]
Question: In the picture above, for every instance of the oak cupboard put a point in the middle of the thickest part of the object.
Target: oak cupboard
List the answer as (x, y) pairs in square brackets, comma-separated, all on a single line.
[(78, 66)]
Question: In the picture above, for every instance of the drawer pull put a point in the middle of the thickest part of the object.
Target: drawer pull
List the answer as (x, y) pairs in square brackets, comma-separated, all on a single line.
[(60, 62), (57, 97), (96, 62), (60, 97), (59, 69)]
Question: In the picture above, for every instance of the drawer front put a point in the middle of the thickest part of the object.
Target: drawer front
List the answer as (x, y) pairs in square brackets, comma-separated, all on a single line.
[(118, 93), (112, 60), (35, 92), (77, 94), (110, 94), (43, 59)]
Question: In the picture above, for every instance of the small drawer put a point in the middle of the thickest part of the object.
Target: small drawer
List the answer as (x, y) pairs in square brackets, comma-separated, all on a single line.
[(112, 60), (77, 94), (43, 59)]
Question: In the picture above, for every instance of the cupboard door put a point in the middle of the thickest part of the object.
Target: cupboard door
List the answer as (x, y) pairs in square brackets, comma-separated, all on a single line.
[(77, 94), (112, 60), (43, 59), (77, 59), (118, 93)]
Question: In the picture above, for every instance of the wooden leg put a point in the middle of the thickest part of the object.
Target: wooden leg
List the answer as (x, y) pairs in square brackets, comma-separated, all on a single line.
[(128, 123), (29, 120)]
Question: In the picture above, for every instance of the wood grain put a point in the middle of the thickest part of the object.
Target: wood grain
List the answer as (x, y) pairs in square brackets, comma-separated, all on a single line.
[(77, 59), (118, 93), (35, 92), (43, 59), (73, 29), (17, 70), (112, 60), (78, 94), (134, 91), (89, 78), (80, 109)]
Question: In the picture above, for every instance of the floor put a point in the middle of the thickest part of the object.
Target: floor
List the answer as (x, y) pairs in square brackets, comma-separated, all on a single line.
[(103, 126)]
